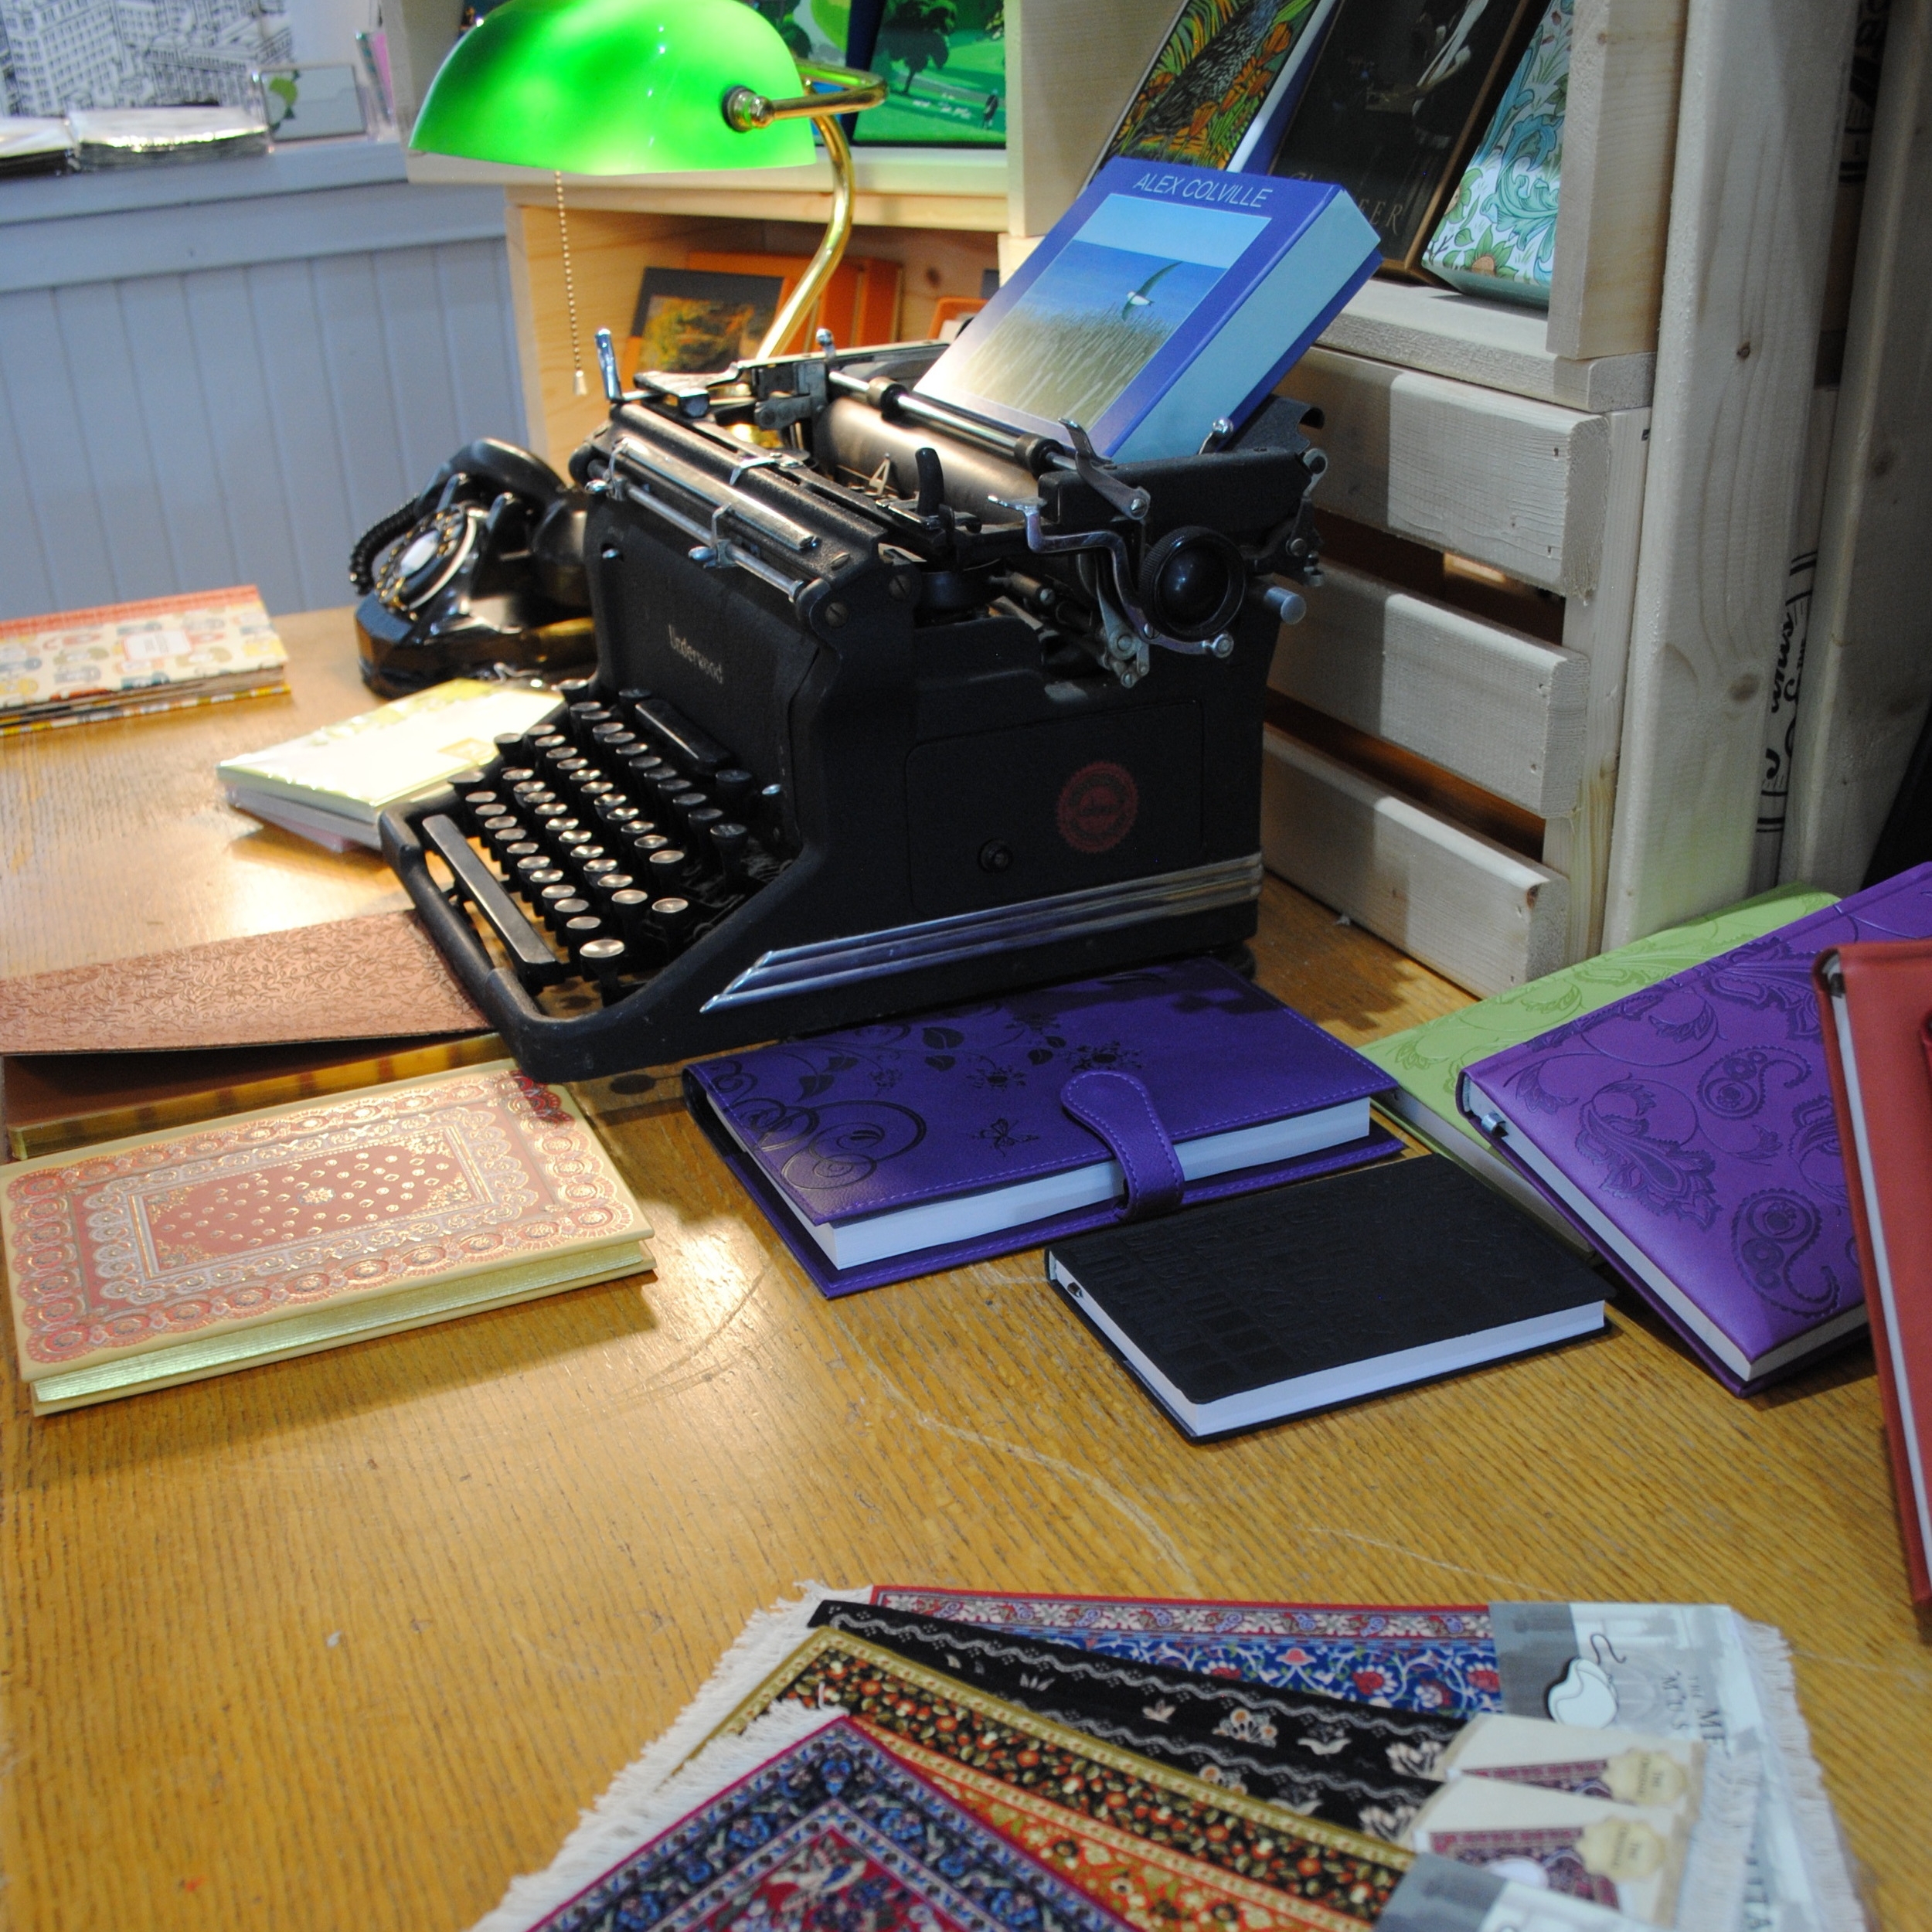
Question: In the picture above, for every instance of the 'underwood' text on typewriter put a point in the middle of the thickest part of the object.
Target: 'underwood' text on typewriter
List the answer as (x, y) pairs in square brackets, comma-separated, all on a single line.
[(905, 710)]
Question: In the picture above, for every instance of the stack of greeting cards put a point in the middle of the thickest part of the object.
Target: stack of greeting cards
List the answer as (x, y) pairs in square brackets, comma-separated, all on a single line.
[(123, 658), (920, 1758)]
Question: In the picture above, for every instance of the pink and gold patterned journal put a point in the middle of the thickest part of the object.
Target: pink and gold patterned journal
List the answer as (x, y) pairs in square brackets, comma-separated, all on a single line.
[(172, 1255)]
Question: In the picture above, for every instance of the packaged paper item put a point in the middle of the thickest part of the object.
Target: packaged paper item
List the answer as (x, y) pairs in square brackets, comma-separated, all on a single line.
[(1439, 1895), (123, 137), (1224, 85), (1499, 235), (146, 1262), (1351, 1764), (1628, 1857), (118, 659), (1165, 299), (1701, 1670), (338, 780), (1628, 1768), (33, 145)]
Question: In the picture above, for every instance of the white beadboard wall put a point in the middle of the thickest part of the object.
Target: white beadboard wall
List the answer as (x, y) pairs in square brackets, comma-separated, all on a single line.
[(222, 373)]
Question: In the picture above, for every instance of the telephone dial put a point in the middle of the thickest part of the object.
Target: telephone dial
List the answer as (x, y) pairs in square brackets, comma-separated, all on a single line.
[(481, 573)]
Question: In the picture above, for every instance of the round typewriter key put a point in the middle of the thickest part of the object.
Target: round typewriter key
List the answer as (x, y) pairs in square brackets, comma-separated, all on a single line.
[(582, 927), (596, 788), (594, 868), (577, 690), (728, 840), (730, 785), (603, 960), (615, 812), (508, 856), (476, 806), (667, 867), (551, 897), (512, 775), (645, 839), (574, 836), (685, 802), (672, 917), (698, 823), (532, 873), (630, 908), (603, 884)]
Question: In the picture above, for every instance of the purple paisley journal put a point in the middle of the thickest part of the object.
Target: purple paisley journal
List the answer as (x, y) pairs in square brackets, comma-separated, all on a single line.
[(898, 1149), (1689, 1130)]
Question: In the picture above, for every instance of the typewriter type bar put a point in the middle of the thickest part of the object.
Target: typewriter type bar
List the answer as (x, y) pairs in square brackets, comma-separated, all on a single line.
[(900, 712)]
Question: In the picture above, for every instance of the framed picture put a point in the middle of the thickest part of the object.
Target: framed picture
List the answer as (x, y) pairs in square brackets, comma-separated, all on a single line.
[(690, 321), (1224, 84), (307, 104), (1396, 99)]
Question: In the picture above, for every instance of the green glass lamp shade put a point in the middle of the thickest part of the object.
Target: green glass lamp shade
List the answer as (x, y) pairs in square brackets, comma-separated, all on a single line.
[(613, 87)]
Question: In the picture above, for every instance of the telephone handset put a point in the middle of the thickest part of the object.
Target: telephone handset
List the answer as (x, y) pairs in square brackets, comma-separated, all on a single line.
[(485, 568)]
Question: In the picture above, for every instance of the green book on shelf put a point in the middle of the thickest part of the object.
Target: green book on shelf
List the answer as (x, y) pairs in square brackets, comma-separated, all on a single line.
[(1427, 1060)]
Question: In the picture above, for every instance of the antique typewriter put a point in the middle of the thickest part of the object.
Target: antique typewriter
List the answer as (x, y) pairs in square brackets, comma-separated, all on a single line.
[(906, 710)]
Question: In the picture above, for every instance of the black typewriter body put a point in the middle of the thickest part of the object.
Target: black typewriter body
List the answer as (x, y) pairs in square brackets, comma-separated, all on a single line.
[(906, 713)]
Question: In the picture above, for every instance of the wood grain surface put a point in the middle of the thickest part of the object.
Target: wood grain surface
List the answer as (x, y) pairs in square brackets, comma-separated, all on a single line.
[(347, 1642)]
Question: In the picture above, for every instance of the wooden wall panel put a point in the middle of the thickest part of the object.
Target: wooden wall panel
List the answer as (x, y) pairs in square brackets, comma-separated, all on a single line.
[(241, 424)]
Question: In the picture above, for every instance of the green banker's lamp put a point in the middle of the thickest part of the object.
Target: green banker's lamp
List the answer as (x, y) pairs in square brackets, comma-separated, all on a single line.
[(647, 86)]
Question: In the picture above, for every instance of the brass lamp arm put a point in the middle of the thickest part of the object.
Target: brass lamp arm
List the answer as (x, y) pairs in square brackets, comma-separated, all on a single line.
[(745, 108)]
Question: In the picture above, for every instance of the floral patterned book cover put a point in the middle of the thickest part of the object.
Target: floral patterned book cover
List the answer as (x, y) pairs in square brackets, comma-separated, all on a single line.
[(138, 1246), (119, 658), (1690, 1127), (1499, 236)]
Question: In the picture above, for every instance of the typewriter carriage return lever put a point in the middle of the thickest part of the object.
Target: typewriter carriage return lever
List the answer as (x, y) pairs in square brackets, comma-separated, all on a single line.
[(893, 708)]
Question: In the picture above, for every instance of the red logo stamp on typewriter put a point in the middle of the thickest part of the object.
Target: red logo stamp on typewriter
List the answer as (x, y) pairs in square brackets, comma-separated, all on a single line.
[(1098, 806)]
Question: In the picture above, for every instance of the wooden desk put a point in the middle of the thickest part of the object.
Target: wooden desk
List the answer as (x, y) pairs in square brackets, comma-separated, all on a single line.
[(347, 1642)]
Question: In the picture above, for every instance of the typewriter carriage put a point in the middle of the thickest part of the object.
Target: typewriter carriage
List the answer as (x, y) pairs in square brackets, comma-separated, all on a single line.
[(973, 710)]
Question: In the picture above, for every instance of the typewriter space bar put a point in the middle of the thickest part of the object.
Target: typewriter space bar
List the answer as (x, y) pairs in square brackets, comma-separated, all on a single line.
[(533, 960)]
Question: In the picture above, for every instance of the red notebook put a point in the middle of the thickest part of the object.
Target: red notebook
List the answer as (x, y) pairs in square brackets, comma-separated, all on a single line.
[(1877, 999)]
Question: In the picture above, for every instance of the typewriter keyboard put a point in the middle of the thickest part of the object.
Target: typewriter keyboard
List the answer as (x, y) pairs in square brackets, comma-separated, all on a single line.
[(623, 831)]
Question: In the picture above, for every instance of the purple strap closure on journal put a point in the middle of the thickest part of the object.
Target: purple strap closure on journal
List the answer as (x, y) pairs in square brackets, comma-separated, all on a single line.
[(1120, 1111)]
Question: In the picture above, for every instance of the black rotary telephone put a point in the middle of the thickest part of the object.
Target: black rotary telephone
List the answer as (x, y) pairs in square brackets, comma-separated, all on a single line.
[(483, 572)]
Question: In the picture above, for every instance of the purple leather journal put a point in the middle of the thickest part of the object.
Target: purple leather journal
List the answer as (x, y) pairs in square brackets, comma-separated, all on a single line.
[(1688, 1131), (1032, 1090)]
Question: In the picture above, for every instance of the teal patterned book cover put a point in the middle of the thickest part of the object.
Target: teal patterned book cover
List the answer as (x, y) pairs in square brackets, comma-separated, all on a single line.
[(1499, 236)]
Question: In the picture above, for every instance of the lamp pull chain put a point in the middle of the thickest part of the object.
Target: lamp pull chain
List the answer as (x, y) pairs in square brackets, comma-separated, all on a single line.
[(578, 386)]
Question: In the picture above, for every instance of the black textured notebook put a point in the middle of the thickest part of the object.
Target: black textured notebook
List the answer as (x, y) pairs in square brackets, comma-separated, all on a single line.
[(1360, 1765), (1245, 1312)]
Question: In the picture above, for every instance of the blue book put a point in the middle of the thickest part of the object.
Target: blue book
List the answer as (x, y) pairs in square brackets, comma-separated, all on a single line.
[(1165, 298)]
